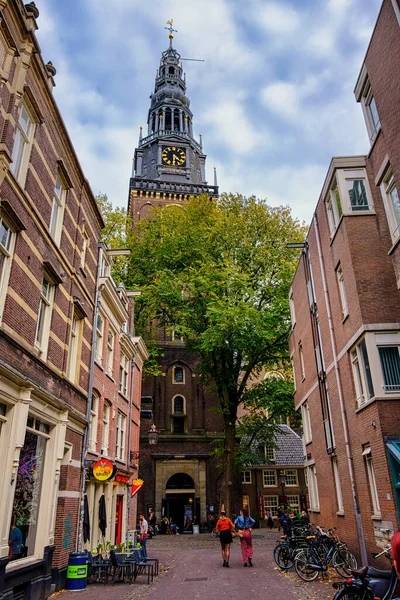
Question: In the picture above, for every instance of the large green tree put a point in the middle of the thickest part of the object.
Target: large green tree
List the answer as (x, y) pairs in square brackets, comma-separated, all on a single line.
[(219, 273)]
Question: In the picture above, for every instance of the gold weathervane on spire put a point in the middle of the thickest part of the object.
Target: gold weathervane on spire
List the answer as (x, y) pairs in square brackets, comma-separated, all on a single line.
[(170, 29)]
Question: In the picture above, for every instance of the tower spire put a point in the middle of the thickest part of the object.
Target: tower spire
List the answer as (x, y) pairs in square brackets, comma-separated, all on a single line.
[(171, 31)]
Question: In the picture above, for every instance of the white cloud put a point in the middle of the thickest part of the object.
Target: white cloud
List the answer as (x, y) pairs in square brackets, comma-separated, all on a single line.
[(277, 18)]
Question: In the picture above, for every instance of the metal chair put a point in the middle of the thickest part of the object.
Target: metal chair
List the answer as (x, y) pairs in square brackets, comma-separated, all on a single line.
[(97, 569), (121, 567), (141, 565), (149, 559)]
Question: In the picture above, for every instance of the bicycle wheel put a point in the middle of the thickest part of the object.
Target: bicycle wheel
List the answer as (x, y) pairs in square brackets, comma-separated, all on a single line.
[(351, 593), (343, 561), (283, 556), (304, 569)]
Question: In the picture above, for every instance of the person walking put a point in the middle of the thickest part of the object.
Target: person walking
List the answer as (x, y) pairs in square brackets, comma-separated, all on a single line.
[(144, 529), (286, 523), (244, 524), (270, 520), (225, 528)]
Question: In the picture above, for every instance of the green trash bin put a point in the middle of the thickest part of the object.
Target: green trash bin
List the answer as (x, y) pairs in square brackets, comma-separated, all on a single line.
[(77, 571)]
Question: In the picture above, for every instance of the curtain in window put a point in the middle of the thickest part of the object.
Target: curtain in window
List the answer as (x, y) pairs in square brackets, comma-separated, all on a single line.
[(390, 361)]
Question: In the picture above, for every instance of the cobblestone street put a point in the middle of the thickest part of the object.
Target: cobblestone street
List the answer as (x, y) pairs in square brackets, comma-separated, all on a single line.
[(191, 568)]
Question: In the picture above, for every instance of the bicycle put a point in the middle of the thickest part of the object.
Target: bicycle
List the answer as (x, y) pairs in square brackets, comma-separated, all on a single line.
[(286, 550), (308, 564)]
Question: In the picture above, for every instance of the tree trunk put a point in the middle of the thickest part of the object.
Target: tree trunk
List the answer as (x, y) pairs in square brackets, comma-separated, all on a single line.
[(228, 465)]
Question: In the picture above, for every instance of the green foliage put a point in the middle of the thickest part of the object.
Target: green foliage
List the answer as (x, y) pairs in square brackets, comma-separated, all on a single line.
[(219, 273), (116, 233)]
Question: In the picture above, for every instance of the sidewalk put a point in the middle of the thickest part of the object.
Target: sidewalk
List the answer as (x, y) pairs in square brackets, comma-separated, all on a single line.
[(191, 569)]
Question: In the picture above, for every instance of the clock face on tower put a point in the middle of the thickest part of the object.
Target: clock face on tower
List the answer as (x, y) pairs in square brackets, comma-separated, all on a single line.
[(173, 156)]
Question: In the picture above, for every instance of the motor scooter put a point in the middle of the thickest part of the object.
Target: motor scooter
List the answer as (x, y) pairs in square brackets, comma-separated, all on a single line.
[(369, 583)]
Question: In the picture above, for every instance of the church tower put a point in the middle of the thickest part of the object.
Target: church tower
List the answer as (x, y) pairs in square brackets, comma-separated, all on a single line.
[(180, 475), (169, 164)]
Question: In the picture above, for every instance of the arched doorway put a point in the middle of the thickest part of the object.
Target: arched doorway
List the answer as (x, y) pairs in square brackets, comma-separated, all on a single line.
[(180, 501)]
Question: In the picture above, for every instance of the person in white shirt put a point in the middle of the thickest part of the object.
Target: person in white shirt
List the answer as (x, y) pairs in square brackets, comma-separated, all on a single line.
[(144, 528)]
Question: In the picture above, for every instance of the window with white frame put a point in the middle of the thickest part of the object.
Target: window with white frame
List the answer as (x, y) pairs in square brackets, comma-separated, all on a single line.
[(105, 436), (44, 316), (178, 375), (390, 364), (313, 487), (7, 241), (270, 504), (305, 416), (269, 478), (372, 481), (357, 191), (333, 205), (57, 211), (361, 373), (178, 405), (94, 422), (291, 479), (294, 503), (24, 134), (3, 413), (120, 436), (85, 246), (292, 309), (294, 374), (391, 200), (269, 452), (342, 291), (338, 487), (104, 270), (370, 111), (99, 339), (246, 476), (302, 366), (110, 352), (123, 374), (74, 350)]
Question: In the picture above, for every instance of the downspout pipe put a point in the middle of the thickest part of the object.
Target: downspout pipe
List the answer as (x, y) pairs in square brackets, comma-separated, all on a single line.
[(99, 290), (360, 532)]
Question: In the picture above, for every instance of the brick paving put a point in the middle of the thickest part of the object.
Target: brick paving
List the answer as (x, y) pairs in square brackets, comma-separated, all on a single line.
[(191, 569)]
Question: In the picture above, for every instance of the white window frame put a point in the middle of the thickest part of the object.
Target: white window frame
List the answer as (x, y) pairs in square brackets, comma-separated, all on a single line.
[(302, 365), (387, 187), (85, 246), (94, 422), (7, 245), (305, 416), (291, 475), (57, 210), (372, 481), (292, 308), (120, 436), (74, 351), (179, 414), (345, 176), (246, 477), (312, 482), (387, 340), (269, 478), (334, 209), (123, 374), (342, 291), (271, 503), (359, 373), (294, 502), (110, 351), (294, 374), (338, 486), (367, 99), (105, 434), (22, 147), (269, 453), (44, 317), (99, 339)]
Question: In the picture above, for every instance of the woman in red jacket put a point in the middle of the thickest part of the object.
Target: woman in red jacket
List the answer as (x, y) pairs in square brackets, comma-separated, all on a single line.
[(225, 527)]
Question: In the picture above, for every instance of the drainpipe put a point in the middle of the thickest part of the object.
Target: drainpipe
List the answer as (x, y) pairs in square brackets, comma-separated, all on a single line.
[(360, 532), (128, 464), (99, 290)]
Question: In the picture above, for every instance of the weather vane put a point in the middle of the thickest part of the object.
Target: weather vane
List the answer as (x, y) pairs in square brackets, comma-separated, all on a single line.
[(170, 29)]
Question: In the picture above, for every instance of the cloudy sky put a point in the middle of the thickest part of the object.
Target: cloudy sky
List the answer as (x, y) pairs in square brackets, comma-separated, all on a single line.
[(273, 99)]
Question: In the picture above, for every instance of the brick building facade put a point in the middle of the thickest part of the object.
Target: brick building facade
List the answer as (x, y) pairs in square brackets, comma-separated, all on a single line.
[(345, 339), (49, 231), (115, 409)]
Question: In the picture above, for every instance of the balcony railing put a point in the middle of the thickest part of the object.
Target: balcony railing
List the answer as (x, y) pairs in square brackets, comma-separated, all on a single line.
[(167, 133)]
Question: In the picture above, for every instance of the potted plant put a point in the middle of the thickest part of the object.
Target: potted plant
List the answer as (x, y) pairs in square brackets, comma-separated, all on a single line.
[(122, 547)]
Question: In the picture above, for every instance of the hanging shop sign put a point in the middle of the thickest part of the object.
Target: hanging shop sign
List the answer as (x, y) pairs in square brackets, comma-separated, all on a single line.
[(103, 469), (136, 485), (121, 478)]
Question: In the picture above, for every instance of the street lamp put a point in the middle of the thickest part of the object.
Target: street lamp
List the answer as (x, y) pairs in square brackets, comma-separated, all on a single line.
[(153, 435)]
